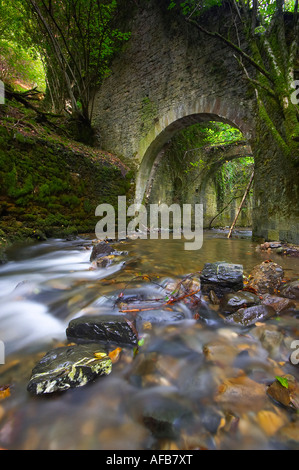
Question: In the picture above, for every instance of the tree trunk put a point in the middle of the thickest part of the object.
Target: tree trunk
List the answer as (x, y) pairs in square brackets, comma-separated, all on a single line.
[(241, 205)]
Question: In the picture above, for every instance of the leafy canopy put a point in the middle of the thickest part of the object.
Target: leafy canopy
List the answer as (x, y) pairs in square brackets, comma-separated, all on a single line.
[(266, 8), (20, 62), (269, 61)]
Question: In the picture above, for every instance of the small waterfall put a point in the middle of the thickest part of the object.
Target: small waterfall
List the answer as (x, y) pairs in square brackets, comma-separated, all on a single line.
[(36, 288), (24, 322)]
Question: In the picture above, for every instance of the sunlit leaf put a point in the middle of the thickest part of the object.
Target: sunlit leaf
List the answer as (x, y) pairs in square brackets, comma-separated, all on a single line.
[(4, 392), (283, 381), (100, 355), (114, 355)]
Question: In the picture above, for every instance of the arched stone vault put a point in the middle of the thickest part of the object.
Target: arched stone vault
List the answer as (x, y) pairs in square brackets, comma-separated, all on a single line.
[(169, 76), (177, 119)]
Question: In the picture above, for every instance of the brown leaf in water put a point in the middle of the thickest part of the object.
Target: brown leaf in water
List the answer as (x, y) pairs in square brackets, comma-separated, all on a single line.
[(4, 392), (250, 289), (114, 355)]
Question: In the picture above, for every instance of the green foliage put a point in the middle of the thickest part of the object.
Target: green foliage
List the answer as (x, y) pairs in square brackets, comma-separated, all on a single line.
[(63, 48), (20, 62), (209, 134), (233, 176), (283, 381), (76, 40), (20, 67), (266, 8), (218, 133), (194, 7), (272, 51), (40, 194)]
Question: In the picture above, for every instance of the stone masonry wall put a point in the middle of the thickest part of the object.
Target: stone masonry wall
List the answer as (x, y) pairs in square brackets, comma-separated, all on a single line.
[(167, 72), (169, 76)]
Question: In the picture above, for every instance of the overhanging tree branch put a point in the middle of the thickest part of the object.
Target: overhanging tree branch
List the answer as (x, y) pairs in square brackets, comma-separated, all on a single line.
[(233, 46)]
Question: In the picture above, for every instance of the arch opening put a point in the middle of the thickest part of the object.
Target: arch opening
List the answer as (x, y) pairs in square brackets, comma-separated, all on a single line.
[(204, 161), (154, 145)]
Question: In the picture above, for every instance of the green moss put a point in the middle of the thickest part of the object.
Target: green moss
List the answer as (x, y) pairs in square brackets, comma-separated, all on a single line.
[(148, 114), (50, 188)]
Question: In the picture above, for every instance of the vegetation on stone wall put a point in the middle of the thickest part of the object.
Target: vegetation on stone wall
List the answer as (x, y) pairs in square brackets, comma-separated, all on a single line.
[(203, 149), (148, 114), (271, 31), (207, 163)]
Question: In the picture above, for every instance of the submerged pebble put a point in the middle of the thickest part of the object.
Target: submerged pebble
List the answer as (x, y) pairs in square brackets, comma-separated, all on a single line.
[(251, 315), (233, 301)]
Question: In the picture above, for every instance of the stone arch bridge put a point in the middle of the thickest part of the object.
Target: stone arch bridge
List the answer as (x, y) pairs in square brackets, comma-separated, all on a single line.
[(169, 76)]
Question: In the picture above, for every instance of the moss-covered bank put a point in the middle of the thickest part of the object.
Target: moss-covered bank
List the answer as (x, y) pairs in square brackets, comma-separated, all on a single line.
[(50, 185)]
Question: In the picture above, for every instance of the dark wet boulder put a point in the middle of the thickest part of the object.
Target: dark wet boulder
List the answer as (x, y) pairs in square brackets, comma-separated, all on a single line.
[(233, 301), (101, 249), (104, 261), (69, 367), (221, 277), (285, 390), (280, 304), (268, 246), (266, 277), (249, 316), (291, 290), (108, 329)]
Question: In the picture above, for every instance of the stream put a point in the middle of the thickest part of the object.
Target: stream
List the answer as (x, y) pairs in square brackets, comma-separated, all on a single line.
[(164, 397)]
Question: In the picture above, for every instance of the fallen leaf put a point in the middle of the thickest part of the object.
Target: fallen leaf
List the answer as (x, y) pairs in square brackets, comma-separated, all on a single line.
[(100, 355), (283, 381), (114, 355), (4, 392)]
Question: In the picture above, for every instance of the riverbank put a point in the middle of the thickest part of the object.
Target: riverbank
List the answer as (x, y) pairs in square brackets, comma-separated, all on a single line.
[(50, 184)]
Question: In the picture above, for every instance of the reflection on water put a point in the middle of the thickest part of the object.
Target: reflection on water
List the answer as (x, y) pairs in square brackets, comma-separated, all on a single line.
[(165, 397)]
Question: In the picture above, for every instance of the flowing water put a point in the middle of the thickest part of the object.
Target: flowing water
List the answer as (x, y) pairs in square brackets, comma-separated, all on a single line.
[(164, 397)]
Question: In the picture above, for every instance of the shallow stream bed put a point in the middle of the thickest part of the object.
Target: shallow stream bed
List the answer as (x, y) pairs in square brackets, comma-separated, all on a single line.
[(191, 385)]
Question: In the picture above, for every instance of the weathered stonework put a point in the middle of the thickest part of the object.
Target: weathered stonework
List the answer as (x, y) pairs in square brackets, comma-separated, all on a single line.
[(175, 179), (170, 76), (167, 78)]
